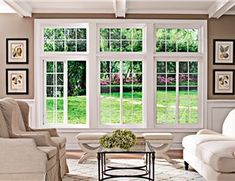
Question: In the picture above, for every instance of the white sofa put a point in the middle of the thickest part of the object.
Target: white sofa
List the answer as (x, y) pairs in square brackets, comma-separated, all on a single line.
[(212, 154)]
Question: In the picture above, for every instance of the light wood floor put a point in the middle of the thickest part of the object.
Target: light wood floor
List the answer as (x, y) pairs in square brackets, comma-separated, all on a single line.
[(77, 154)]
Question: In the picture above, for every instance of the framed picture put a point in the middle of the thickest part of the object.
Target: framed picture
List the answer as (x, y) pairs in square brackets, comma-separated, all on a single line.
[(223, 82), (224, 52), (17, 51), (17, 81)]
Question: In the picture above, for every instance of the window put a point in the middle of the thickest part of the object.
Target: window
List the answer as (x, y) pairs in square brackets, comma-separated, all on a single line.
[(177, 92), (65, 91), (121, 40), (176, 40), (137, 74), (121, 92), (177, 85), (64, 39)]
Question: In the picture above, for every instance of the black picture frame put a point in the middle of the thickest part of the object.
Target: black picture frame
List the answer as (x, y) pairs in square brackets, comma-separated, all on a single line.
[(215, 60), (24, 80), (216, 91), (25, 51)]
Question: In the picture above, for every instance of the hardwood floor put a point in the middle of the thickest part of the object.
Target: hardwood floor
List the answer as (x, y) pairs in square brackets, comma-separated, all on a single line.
[(175, 154)]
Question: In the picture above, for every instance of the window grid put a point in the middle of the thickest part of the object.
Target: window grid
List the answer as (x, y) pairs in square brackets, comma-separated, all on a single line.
[(64, 42), (177, 42), (55, 98), (59, 109), (125, 100), (178, 94), (119, 40)]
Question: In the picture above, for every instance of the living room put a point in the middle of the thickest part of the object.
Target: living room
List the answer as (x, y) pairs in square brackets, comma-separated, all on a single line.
[(117, 90)]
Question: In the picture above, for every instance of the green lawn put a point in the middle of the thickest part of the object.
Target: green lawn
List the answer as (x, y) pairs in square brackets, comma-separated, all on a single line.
[(132, 108)]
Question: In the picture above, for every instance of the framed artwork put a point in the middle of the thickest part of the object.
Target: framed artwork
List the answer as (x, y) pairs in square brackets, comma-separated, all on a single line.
[(224, 52), (17, 81), (17, 50), (223, 82)]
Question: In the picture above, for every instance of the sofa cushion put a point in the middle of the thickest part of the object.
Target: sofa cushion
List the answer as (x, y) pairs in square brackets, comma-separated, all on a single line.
[(49, 150), (60, 141), (218, 154), (3, 127), (192, 141)]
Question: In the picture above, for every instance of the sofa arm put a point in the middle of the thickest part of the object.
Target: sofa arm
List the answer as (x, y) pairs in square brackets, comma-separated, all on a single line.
[(41, 138), (52, 131), (206, 131), (21, 156)]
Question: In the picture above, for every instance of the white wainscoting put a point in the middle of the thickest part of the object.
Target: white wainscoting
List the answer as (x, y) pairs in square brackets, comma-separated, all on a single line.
[(217, 111)]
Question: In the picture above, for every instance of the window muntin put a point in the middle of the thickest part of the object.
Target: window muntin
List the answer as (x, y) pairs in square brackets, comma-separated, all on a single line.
[(177, 92), (177, 40), (121, 40), (65, 39), (65, 101), (121, 92)]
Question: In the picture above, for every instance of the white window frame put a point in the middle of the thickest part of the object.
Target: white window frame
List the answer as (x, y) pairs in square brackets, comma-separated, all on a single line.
[(101, 125), (122, 56), (92, 56), (200, 57)]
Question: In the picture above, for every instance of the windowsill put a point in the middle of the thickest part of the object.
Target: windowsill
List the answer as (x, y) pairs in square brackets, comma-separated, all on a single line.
[(138, 130)]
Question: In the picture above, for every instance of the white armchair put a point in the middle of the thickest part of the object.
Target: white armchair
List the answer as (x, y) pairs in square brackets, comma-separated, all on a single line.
[(212, 154)]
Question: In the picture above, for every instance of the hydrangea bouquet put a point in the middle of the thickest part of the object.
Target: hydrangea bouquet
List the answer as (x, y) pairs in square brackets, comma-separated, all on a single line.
[(120, 138)]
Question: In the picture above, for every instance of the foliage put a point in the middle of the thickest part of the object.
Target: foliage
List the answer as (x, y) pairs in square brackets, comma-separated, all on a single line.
[(120, 138), (121, 40), (64, 39), (177, 40)]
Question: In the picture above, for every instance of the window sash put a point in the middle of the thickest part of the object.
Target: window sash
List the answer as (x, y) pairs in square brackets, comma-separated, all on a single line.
[(65, 94), (121, 123)]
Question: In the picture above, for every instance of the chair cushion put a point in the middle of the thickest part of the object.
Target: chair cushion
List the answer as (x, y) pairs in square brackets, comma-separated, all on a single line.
[(12, 114), (192, 141), (61, 141), (49, 150), (218, 154), (3, 127), (157, 136), (90, 136)]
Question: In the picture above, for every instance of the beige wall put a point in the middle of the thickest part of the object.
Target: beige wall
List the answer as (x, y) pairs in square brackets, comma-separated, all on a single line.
[(223, 28), (13, 26)]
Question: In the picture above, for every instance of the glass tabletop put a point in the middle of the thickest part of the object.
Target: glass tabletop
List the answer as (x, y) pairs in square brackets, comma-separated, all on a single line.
[(137, 149)]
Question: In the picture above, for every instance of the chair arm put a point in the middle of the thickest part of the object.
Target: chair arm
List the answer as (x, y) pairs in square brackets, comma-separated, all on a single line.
[(21, 156), (52, 131), (206, 131), (41, 138)]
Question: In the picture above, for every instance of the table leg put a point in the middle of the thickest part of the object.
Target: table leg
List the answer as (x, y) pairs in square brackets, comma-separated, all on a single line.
[(98, 158)]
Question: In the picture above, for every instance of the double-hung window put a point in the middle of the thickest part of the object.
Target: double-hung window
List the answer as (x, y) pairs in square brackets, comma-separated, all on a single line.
[(121, 84), (64, 75)]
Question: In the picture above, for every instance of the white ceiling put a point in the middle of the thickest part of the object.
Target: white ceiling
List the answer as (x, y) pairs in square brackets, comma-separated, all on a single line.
[(4, 8), (214, 8)]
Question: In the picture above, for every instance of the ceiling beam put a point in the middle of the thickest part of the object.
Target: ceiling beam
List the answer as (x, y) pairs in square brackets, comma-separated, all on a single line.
[(119, 7), (220, 7), (22, 8)]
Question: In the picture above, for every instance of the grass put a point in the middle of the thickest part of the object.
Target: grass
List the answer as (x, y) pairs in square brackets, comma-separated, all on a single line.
[(132, 108)]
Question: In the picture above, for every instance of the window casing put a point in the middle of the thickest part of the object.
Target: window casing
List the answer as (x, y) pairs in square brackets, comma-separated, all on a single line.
[(148, 56)]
